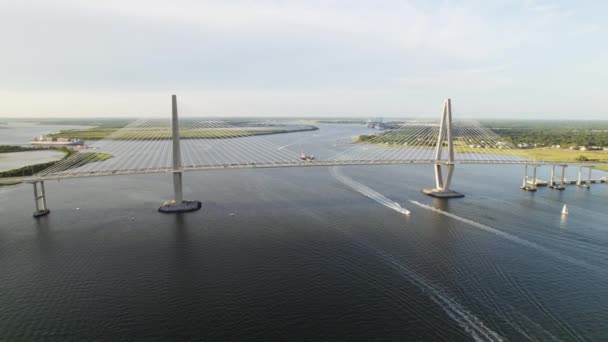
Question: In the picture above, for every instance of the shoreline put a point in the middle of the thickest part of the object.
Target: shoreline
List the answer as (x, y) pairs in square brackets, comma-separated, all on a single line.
[(79, 159), (547, 154), (37, 166)]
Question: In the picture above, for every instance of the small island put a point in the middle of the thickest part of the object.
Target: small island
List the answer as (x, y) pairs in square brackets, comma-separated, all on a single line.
[(190, 129)]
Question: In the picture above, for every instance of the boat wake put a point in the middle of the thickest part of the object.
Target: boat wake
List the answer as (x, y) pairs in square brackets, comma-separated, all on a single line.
[(367, 192), (510, 237), (468, 321), (474, 326)]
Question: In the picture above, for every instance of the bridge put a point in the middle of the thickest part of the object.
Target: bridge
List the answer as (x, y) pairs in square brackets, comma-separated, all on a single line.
[(181, 145)]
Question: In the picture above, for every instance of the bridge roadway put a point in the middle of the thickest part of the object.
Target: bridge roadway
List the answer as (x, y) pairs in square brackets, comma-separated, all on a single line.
[(313, 163)]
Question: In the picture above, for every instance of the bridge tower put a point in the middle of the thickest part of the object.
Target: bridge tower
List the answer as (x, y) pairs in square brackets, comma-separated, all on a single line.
[(442, 185), (178, 205)]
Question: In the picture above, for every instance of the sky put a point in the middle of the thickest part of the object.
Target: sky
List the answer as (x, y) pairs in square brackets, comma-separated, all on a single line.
[(496, 59)]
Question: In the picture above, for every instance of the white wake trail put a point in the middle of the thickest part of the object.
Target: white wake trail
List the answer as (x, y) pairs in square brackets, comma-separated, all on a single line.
[(474, 326), (464, 318), (511, 237), (364, 190)]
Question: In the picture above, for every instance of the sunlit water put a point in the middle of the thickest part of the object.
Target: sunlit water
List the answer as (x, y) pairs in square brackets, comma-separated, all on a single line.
[(16, 133), (15, 160), (298, 254)]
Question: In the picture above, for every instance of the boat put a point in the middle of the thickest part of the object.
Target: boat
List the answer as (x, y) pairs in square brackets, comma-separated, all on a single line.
[(565, 210), (402, 210)]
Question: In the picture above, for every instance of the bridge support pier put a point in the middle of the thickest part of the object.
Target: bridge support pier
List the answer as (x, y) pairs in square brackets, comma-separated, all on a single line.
[(526, 184), (442, 186), (552, 183), (580, 182), (40, 200), (178, 205)]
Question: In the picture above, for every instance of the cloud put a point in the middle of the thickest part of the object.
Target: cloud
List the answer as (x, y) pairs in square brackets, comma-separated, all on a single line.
[(344, 56)]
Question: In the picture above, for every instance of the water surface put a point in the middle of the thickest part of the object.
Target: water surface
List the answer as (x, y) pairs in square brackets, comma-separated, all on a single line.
[(296, 254), (15, 160), (15, 133)]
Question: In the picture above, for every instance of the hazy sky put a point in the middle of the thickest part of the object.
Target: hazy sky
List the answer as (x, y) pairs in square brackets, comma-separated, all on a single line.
[(498, 58)]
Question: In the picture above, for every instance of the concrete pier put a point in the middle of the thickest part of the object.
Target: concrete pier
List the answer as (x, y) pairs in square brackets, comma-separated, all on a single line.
[(526, 185), (178, 205), (552, 183), (533, 184), (442, 186), (40, 200), (582, 183)]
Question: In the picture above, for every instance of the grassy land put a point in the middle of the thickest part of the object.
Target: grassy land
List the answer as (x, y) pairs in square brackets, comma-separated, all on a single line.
[(13, 148), (558, 154), (81, 159), (76, 160), (99, 133), (563, 155), (541, 154), (96, 133), (548, 154)]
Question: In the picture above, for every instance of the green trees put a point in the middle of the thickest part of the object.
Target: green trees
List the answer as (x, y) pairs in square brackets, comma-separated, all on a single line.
[(365, 138), (564, 137)]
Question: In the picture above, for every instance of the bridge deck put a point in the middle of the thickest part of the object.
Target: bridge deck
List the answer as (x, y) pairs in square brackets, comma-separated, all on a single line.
[(313, 163)]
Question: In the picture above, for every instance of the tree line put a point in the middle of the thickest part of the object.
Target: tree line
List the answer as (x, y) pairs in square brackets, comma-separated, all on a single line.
[(554, 136)]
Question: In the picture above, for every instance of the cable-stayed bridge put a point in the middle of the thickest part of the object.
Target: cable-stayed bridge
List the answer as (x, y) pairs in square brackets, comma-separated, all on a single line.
[(176, 146)]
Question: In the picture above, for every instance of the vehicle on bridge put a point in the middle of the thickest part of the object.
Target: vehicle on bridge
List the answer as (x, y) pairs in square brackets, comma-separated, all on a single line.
[(306, 157)]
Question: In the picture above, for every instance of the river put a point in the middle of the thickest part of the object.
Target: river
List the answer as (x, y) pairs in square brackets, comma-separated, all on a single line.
[(15, 160), (21, 133), (16, 133), (306, 254)]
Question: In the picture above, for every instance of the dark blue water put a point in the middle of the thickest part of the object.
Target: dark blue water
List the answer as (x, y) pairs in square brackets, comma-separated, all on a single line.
[(296, 254)]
